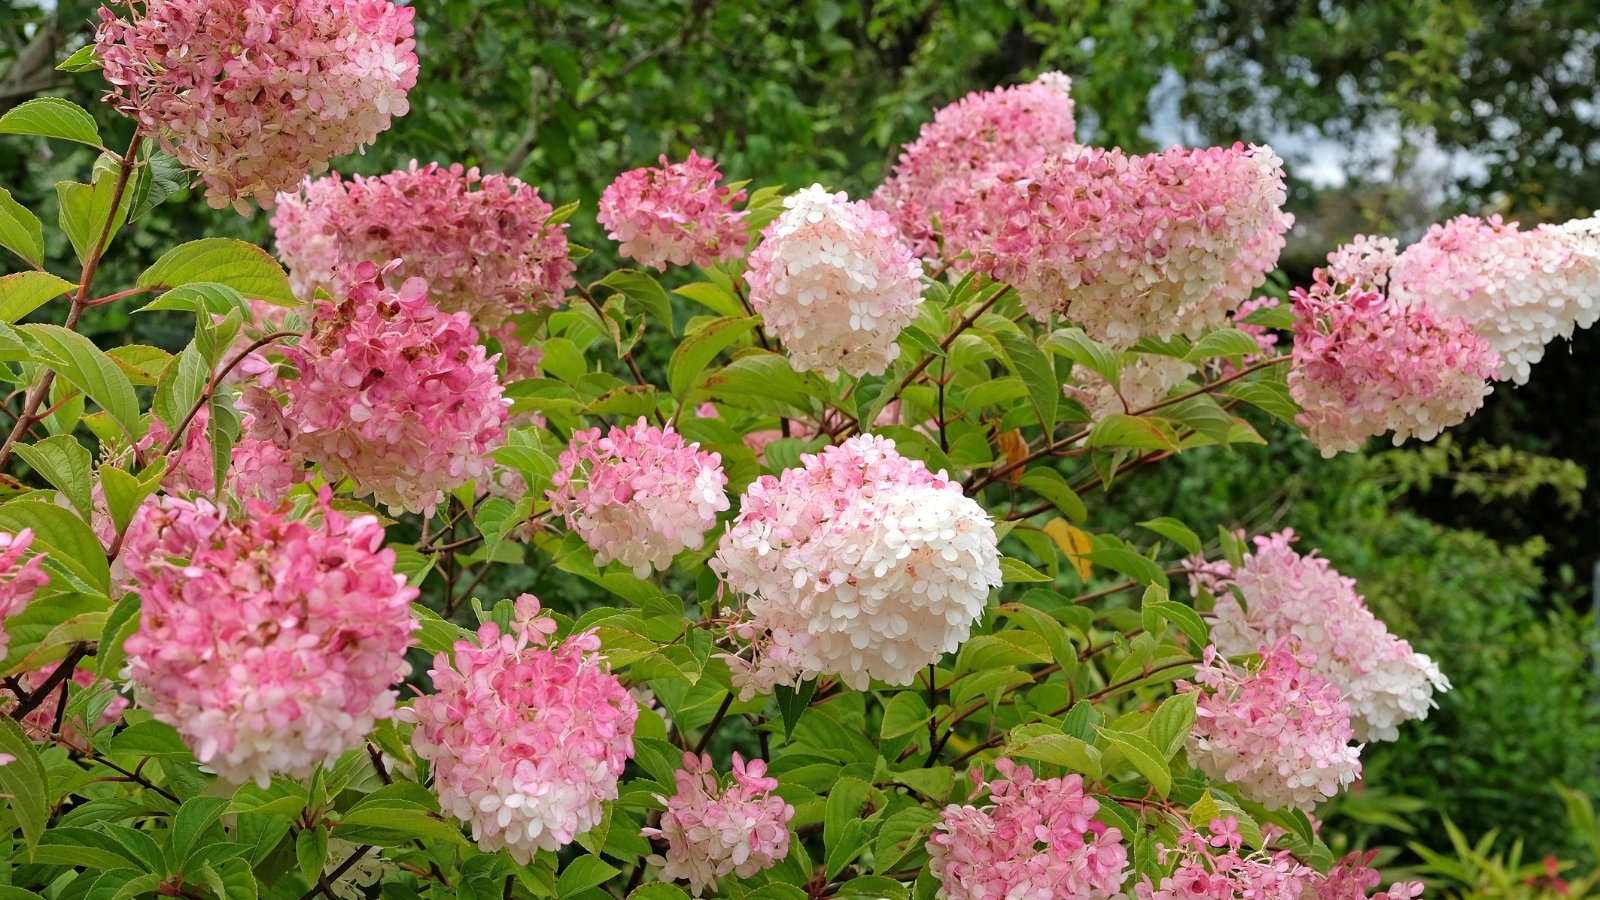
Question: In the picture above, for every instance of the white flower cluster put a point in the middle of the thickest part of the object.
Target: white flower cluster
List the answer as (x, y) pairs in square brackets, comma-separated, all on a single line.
[(835, 282)]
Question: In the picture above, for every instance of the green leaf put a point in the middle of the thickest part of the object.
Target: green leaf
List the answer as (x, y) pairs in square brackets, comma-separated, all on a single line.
[(26, 292), (1065, 750), (642, 289), (25, 781), (1049, 484), (206, 298), (582, 874), (1170, 726), (124, 493), (1136, 432), (87, 213), (311, 852), (904, 713), (1083, 350), (60, 532), (1015, 570), (150, 738), (1144, 756), (233, 879), (793, 702), (244, 267), (901, 834), (659, 891), (1187, 620), (122, 622), (82, 59), (841, 821), (698, 349), (1267, 394), (1175, 531), (195, 817), (1030, 364), (78, 360), (411, 823), (711, 297), (161, 177), (51, 117), (63, 462), (20, 231), (1227, 342), (183, 382)]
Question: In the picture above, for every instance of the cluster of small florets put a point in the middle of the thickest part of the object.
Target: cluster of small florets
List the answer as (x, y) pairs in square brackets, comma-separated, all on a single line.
[(527, 740), (1214, 868), (1363, 364), (265, 463), (1007, 127), (676, 214), (1353, 876), (253, 95), (394, 394), (712, 832), (271, 644), (1136, 246), (873, 566), (1036, 839), (40, 724), (1141, 384), (835, 282), (1303, 599), (262, 465), (1363, 264), (1281, 733), (639, 495), (1519, 290), (20, 578), (481, 242)]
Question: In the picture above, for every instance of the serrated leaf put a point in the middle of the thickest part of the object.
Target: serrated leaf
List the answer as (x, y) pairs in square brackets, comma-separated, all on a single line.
[(311, 852), (1083, 350), (1170, 726), (87, 214), (905, 712), (244, 267), (1269, 395), (712, 297), (51, 117), (183, 382), (1015, 570), (411, 823), (1072, 753), (1049, 484), (20, 231), (697, 350), (1175, 531), (78, 360), (643, 289), (60, 532), (1144, 756), (584, 873), (63, 462), (194, 818), (792, 703), (161, 177), (24, 292), (1030, 364), (82, 59), (1223, 342), (25, 781), (1134, 432)]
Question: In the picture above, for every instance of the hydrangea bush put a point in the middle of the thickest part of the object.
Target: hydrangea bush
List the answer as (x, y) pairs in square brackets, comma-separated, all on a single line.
[(852, 630)]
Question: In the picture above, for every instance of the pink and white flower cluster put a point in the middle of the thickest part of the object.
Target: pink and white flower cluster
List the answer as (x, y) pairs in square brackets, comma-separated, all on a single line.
[(1145, 380), (1213, 867), (254, 94), (1134, 246), (527, 738), (984, 132), (271, 644), (481, 242), (639, 495), (1363, 364), (674, 214), (21, 576), (1280, 733), (835, 282), (263, 466), (394, 394), (712, 832), (861, 564), (1036, 839), (1289, 597)]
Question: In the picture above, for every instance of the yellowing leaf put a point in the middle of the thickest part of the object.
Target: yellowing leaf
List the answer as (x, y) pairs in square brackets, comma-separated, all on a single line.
[(1074, 543), (1015, 450)]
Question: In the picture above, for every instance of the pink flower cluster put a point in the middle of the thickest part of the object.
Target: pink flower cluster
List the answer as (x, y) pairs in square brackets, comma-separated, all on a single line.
[(1289, 597), (713, 832), (1363, 364), (254, 94), (527, 739), (639, 495), (262, 466), (1008, 127), (481, 242), (861, 564), (270, 643), (20, 578), (835, 282), (675, 214), (1281, 733), (1353, 876), (40, 723), (1214, 868), (394, 394), (1364, 263), (1519, 290), (1036, 839), (1133, 246)]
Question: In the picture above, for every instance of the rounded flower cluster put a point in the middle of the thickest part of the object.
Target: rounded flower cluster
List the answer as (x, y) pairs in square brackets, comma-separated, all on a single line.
[(1141, 384), (1519, 290), (1353, 876), (254, 94), (1037, 839), (676, 214), (1364, 263), (1280, 733), (1213, 868), (1014, 126), (1135, 246), (394, 394), (1363, 364), (262, 464), (20, 578), (40, 724), (270, 644), (713, 832), (639, 495), (527, 740), (835, 282), (861, 564), (481, 242), (1303, 599)]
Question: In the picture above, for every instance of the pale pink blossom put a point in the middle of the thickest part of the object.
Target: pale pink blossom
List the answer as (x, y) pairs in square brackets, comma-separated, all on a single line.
[(527, 738), (255, 94), (40, 723), (1353, 876), (1215, 867), (21, 576), (674, 214), (271, 644), (1364, 263), (712, 831)]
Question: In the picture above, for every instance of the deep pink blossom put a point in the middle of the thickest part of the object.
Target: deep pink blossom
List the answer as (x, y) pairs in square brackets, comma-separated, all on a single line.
[(674, 214), (21, 576), (1215, 867), (527, 739), (712, 831), (254, 94)]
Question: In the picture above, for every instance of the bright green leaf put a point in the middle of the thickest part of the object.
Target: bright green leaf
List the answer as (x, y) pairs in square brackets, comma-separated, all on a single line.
[(51, 117)]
